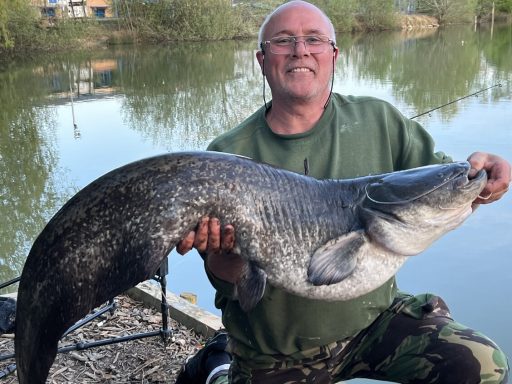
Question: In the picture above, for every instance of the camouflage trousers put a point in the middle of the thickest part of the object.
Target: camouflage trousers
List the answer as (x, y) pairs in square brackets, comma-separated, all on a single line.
[(414, 341)]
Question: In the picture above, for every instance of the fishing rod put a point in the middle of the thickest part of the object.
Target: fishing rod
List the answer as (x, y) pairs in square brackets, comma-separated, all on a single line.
[(7, 283), (456, 100)]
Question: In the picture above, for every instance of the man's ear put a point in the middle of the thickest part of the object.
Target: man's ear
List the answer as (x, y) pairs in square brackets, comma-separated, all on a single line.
[(335, 52), (260, 55)]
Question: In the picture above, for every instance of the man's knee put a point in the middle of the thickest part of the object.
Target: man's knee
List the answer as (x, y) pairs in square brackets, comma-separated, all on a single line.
[(494, 367), (473, 358)]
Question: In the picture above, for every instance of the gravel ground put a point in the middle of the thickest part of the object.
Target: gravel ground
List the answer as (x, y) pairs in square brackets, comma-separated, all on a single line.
[(142, 361)]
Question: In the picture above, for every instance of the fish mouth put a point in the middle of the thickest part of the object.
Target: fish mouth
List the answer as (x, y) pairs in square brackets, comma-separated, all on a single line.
[(480, 177), (469, 185)]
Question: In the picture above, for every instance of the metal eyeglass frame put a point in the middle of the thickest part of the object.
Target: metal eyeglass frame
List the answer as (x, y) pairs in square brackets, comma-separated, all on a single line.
[(290, 43)]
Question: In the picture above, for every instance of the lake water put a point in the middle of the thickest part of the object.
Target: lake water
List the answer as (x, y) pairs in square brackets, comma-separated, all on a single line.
[(66, 120)]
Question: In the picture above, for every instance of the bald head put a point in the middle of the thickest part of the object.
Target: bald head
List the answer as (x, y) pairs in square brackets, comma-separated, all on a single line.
[(295, 6)]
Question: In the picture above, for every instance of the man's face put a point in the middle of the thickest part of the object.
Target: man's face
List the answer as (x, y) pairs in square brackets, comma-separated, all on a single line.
[(299, 75)]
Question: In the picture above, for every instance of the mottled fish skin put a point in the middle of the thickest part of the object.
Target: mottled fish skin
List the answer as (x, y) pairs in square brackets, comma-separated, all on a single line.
[(327, 239)]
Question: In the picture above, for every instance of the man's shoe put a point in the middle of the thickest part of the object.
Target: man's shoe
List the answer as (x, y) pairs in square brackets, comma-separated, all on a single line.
[(208, 363)]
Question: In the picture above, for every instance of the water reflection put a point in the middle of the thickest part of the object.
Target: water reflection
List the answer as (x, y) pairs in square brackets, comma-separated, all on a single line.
[(431, 68), (27, 168), (185, 91), (181, 96), (189, 93), (133, 102)]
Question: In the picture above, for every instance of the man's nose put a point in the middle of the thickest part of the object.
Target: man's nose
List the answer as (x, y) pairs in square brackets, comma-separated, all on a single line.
[(300, 47)]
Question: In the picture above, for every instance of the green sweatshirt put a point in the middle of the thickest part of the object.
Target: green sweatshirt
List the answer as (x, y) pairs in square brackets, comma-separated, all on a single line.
[(356, 136)]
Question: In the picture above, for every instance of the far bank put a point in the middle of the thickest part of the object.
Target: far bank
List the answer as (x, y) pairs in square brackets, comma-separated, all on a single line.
[(27, 29)]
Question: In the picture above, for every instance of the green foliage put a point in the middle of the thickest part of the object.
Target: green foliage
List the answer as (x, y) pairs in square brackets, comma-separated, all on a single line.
[(349, 15), (504, 6), (449, 11), (218, 19), (183, 19), (18, 23), (341, 12), (377, 14), (484, 7), (4, 33), (204, 19), (23, 30)]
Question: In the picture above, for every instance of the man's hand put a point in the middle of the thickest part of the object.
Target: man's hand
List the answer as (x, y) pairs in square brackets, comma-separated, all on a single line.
[(499, 175), (217, 245)]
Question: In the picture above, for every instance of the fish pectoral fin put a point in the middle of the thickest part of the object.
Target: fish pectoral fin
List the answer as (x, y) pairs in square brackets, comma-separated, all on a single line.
[(250, 288), (334, 261)]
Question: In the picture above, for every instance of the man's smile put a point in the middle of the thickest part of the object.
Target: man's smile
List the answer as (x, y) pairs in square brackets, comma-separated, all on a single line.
[(300, 69)]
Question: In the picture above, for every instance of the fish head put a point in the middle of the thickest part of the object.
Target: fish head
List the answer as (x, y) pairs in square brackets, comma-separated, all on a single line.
[(406, 211)]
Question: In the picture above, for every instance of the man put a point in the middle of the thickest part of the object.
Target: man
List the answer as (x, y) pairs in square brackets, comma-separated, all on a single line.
[(384, 334)]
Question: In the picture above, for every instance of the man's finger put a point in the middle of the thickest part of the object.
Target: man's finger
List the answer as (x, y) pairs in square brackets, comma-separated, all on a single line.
[(477, 161), (228, 238), (201, 239), (214, 235), (186, 243)]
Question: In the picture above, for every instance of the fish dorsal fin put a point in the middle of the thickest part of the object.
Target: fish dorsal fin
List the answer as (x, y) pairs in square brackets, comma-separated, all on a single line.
[(250, 288), (335, 260)]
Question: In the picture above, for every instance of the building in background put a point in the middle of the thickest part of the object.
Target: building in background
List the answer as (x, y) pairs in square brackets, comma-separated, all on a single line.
[(100, 8), (74, 8)]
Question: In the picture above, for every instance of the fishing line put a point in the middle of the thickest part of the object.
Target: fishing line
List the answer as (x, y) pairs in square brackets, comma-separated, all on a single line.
[(407, 200), (419, 197), (456, 100), (413, 199)]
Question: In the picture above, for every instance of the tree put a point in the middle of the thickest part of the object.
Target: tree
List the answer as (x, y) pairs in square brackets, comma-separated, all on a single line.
[(504, 6), (5, 40), (448, 11), (484, 7), (17, 19), (377, 14), (341, 12)]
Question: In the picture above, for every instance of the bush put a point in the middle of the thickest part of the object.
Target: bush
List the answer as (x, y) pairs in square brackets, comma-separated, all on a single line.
[(341, 12), (184, 19), (377, 14), (18, 24), (23, 30), (449, 11)]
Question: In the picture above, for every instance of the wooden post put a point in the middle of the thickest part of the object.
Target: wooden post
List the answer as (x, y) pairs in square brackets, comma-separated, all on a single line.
[(72, 8), (71, 82), (189, 296), (492, 19)]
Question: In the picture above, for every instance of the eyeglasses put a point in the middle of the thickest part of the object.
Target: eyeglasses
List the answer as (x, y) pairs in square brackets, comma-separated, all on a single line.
[(285, 45)]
